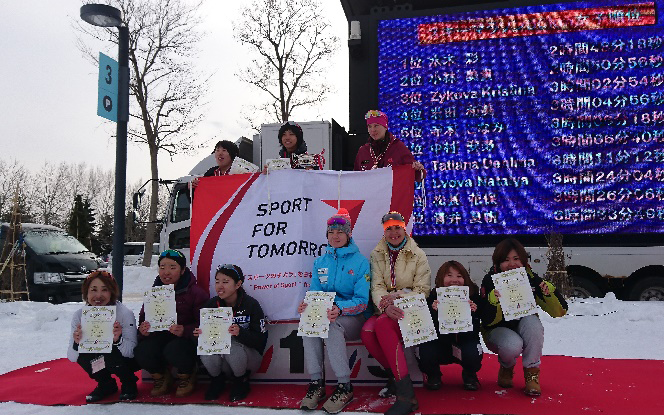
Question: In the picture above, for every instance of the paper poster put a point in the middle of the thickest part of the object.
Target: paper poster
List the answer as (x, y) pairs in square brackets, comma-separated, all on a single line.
[(160, 308), (416, 325), (454, 315), (278, 164), (516, 294), (241, 166), (97, 329), (314, 321), (215, 338)]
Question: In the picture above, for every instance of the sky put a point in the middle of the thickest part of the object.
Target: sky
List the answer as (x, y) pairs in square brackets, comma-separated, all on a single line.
[(48, 109), (598, 327)]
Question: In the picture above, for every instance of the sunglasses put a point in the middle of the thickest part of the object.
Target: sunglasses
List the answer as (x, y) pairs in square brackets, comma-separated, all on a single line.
[(229, 267), (336, 221), (172, 253), (97, 273), (373, 114), (392, 216)]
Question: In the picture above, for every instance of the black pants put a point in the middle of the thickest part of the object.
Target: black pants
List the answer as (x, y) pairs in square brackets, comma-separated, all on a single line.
[(114, 362), (160, 349), (439, 352)]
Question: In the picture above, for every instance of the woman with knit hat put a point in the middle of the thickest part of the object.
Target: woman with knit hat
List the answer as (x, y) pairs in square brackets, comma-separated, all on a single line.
[(398, 268), (384, 149), (291, 139), (344, 271)]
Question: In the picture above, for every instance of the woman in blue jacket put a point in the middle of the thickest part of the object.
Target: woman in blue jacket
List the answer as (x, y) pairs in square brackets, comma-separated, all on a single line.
[(345, 271)]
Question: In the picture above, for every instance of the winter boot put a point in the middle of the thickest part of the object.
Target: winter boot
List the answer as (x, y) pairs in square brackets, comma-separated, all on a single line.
[(162, 383), (105, 387), (240, 388), (216, 387), (186, 384), (470, 381), (389, 390), (315, 394), (406, 402), (433, 381), (505, 375), (129, 390), (341, 397), (531, 374)]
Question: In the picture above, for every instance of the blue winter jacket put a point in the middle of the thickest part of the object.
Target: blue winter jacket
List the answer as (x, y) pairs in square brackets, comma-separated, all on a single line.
[(344, 271)]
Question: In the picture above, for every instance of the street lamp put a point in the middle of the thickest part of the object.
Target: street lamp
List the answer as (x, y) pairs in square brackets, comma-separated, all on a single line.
[(107, 16)]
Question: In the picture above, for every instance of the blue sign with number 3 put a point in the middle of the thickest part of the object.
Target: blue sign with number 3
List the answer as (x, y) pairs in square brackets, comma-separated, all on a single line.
[(108, 88)]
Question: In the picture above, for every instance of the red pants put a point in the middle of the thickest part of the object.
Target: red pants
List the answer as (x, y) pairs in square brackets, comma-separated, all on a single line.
[(382, 338)]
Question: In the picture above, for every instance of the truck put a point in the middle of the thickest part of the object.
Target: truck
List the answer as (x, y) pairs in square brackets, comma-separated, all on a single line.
[(530, 119)]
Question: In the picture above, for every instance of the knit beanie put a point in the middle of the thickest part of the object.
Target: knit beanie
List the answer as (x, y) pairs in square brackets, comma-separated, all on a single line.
[(393, 218), (341, 220), (376, 117)]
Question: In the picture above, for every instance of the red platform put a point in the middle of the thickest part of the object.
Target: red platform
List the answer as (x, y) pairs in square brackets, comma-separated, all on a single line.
[(570, 386)]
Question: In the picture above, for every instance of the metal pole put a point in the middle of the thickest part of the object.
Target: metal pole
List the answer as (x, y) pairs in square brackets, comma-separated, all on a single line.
[(121, 156)]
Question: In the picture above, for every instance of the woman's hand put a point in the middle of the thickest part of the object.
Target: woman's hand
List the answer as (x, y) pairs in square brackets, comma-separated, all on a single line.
[(435, 305), (333, 313), (301, 307), (387, 300), (197, 332), (144, 328), (496, 293), (473, 306), (418, 166), (394, 312), (177, 329), (545, 288), (194, 183), (117, 332), (78, 334), (234, 329)]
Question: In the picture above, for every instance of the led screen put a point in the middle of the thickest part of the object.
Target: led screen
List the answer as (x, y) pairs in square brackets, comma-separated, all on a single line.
[(531, 120)]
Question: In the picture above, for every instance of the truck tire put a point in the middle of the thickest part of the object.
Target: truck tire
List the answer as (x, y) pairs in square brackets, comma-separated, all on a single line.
[(584, 288), (648, 289)]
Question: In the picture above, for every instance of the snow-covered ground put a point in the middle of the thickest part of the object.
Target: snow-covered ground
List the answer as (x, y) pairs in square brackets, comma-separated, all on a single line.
[(605, 328)]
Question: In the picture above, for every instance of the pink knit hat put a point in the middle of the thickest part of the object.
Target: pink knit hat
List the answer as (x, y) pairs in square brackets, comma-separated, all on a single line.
[(376, 117), (341, 220)]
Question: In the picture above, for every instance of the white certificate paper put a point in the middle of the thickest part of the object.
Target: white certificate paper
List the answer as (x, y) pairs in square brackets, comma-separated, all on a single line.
[(416, 325), (241, 166), (278, 164), (215, 338), (314, 321), (516, 294), (454, 315), (160, 307), (97, 329)]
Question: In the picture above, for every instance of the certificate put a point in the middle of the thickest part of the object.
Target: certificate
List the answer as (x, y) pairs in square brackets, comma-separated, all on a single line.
[(278, 164), (516, 294), (160, 307), (97, 329), (214, 337), (314, 321), (241, 166), (454, 315), (416, 325)]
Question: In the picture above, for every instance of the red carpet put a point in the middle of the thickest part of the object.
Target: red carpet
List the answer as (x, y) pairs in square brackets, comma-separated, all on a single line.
[(570, 386)]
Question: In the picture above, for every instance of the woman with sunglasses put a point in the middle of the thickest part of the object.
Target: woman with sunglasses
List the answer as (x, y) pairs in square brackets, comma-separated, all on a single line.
[(344, 271), (398, 268), (524, 336), (101, 289), (384, 149), (248, 335), (176, 347)]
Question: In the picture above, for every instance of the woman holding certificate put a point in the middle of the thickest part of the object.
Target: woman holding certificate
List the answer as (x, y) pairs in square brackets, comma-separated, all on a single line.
[(343, 270), (456, 299), (100, 293), (509, 338), (398, 268), (247, 332), (171, 343)]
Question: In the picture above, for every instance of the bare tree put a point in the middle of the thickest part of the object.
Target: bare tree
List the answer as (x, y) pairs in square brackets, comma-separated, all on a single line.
[(291, 44), (12, 173), (167, 90), (50, 194)]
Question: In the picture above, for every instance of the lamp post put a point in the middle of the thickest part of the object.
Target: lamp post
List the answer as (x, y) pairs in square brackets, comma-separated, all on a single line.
[(107, 16)]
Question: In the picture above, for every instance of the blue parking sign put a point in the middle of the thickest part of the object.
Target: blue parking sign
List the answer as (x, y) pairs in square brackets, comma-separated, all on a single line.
[(107, 100)]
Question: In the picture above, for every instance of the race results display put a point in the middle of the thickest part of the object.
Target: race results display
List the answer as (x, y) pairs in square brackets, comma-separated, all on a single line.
[(531, 120)]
